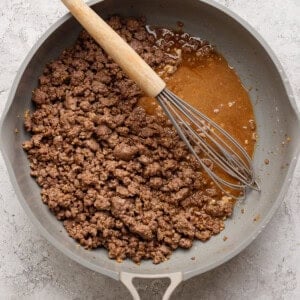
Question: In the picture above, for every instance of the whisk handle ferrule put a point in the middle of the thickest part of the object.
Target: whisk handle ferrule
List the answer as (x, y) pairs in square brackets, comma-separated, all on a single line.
[(114, 45)]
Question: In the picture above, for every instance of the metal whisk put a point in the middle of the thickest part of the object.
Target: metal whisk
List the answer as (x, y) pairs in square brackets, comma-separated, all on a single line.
[(202, 136)]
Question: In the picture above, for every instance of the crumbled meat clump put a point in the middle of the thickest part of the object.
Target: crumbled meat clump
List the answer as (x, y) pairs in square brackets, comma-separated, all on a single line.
[(117, 177)]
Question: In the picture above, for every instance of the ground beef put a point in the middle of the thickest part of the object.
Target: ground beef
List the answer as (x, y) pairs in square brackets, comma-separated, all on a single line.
[(117, 177)]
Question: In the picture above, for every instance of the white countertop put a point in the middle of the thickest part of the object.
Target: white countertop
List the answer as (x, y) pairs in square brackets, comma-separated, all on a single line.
[(33, 269)]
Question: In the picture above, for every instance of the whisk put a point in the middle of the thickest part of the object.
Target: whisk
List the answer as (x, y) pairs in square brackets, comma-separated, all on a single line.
[(203, 137)]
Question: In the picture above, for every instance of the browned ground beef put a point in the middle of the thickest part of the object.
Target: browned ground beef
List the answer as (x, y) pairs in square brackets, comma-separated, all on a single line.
[(117, 177)]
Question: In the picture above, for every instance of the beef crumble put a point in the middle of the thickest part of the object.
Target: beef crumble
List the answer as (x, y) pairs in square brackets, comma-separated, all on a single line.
[(116, 176)]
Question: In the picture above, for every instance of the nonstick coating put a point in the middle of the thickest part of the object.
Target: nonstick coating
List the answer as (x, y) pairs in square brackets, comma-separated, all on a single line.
[(275, 112)]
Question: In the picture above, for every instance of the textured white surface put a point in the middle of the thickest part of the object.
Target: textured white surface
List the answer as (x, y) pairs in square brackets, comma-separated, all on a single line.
[(31, 268)]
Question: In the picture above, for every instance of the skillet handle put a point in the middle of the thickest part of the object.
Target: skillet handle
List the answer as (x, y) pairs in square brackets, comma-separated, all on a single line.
[(126, 279)]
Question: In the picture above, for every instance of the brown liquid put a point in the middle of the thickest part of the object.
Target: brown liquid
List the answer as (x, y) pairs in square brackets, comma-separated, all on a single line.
[(212, 86)]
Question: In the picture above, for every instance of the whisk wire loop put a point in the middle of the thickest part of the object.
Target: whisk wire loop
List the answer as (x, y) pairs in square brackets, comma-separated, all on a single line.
[(202, 135), (206, 147)]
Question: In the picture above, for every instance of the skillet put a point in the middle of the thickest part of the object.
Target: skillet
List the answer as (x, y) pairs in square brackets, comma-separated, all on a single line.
[(274, 107)]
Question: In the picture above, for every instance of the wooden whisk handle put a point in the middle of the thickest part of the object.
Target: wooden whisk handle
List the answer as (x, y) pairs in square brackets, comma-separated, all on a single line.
[(131, 63)]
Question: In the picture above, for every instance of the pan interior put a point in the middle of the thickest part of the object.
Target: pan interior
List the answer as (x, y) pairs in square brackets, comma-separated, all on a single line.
[(275, 116)]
